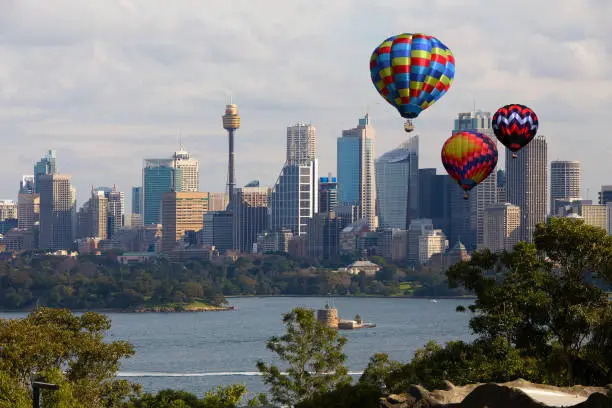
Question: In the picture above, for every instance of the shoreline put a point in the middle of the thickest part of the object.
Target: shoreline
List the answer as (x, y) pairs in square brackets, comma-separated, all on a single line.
[(168, 309), (467, 297)]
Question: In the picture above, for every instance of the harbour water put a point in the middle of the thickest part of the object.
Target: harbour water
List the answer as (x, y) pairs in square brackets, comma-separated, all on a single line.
[(198, 351)]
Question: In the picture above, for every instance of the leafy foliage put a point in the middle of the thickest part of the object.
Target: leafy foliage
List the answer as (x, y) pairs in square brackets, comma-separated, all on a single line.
[(543, 300), (345, 396), (314, 358), (100, 282), (56, 346), (221, 397)]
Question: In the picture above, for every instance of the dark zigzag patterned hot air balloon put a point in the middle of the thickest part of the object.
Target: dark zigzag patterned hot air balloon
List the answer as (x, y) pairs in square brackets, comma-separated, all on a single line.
[(469, 157), (515, 126)]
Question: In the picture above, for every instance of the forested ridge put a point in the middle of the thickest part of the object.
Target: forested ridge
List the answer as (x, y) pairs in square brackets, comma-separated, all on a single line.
[(100, 282)]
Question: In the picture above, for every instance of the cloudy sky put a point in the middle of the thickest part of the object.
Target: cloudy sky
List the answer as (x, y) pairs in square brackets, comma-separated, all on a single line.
[(109, 82)]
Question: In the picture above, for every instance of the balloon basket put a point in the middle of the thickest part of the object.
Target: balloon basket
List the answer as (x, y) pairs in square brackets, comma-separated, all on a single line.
[(514, 155), (408, 126), (465, 196)]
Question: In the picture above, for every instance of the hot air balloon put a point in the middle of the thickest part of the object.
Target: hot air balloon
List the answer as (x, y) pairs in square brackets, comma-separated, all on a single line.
[(412, 71), (515, 126), (469, 157)]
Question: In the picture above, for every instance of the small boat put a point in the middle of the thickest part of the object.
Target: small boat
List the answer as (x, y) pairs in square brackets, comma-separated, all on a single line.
[(433, 301)]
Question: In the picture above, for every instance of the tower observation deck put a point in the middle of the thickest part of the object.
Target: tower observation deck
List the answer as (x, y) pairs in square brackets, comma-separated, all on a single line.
[(231, 123)]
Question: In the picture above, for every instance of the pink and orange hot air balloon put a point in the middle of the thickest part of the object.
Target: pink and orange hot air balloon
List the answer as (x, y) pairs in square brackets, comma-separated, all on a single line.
[(469, 157)]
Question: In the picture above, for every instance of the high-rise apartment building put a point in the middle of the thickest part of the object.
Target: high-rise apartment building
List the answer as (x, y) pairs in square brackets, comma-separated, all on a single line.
[(190, 172), (484, 194), (250, 216), (397, 185), (181, 212), (301, 143), (527, 184), (564, 182), (356, 173), (501, 226), (328, 194), (57, 212), (159, 176), (295, 197), (44, 166)]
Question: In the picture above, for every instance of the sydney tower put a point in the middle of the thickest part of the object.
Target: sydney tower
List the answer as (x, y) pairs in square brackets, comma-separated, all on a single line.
[(231, 122)]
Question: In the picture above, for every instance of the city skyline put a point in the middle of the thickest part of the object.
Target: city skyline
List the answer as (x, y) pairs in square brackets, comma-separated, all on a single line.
[(119, 97)]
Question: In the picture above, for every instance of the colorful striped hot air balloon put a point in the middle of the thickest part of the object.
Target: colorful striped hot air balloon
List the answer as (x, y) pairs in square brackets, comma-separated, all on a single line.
[(515, 126), (469, 157), (412, 71)]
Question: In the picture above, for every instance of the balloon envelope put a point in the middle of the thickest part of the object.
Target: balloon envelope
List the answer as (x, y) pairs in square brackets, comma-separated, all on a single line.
[(515, 126), (412, 71), (469, 157)]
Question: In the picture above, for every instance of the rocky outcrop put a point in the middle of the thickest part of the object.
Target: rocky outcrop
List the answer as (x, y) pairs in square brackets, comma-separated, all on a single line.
[(519, 393)]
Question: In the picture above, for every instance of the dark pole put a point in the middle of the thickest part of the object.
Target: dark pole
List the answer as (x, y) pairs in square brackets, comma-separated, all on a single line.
[(231, 182), (36, 386)]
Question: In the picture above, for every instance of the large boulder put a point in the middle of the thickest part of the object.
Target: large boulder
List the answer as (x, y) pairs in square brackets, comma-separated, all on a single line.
[(519, 393)]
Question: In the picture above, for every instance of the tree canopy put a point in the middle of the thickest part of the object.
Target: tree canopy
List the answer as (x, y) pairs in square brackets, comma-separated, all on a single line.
[(56, 346), (313, 357)]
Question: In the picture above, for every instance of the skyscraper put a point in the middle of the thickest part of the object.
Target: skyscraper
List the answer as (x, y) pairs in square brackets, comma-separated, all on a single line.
[(190, 172), (301, 143), (26, 185), (116, 211), (92, 220), (397, 188), (57, 212), (136, 218), (501, 226), (158, 177), (328, 194), (295, 197), (564, 182), (356, 174), (484, 194), (250, 216), (527, 184), (434, 195), (501, 186), (44, 166), (181, 212), (605, 195)]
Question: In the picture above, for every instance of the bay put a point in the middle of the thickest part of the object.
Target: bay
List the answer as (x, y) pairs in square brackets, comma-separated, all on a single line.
[(199, 351)]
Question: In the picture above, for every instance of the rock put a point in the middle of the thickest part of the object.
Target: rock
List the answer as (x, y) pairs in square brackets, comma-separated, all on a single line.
[(518, 393)]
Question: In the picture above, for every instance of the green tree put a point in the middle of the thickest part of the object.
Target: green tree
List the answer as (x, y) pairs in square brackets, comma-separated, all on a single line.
[(541, 298), (380, 368), (220, 397), (55, 345), (313, 356)]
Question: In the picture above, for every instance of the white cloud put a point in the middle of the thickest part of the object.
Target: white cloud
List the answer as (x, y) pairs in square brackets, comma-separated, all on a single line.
[(109, 82)]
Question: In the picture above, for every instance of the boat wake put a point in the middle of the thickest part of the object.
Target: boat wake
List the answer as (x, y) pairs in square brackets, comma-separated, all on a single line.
[(206, 374)]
